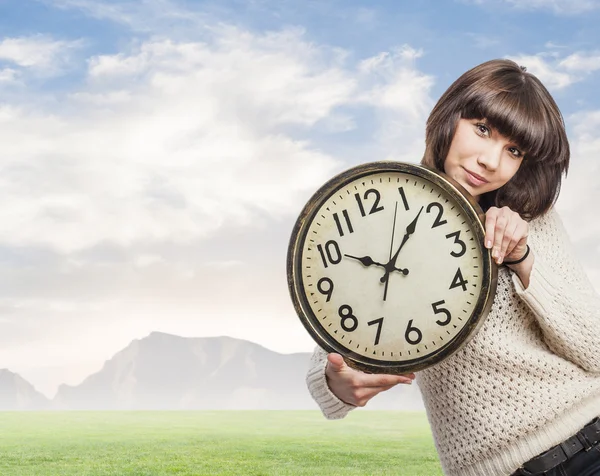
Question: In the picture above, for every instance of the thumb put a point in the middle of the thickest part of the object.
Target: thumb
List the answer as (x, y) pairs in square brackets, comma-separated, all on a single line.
[(336, 362)]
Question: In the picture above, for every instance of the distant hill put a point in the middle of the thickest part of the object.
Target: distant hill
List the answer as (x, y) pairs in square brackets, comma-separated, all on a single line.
[(18, 394), (168, 372), (164, 371)]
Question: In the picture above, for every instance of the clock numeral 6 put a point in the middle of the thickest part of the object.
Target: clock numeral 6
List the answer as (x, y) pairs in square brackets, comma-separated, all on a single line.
[(413, 330), (442, 310), (375, 208), (345, 313), (327, 292), (332, 253)]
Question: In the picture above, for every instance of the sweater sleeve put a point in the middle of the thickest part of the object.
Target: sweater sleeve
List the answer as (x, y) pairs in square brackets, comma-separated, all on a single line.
[(561, 296), (332, 407)]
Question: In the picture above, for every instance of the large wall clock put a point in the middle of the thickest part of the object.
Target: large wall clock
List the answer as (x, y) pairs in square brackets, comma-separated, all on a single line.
[(386, 266)]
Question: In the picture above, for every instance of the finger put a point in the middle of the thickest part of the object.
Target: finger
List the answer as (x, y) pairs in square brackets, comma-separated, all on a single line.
[(499, 231), (336, 362), (490, 225), (383, 380), (509, 241), (517, 250)]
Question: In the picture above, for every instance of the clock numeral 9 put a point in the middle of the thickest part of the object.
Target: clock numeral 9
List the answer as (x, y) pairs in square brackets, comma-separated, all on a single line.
[(375, 208), (442, 310), (345, 313), (332, 253), (457, 240), (438, 221), (413, 330), (327, 292)]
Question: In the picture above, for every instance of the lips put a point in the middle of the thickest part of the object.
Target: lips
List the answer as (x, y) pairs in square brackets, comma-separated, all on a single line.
[(475, 179)]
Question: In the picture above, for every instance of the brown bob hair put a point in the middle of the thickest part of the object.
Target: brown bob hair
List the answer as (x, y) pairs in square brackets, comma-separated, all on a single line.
[(518, 106)]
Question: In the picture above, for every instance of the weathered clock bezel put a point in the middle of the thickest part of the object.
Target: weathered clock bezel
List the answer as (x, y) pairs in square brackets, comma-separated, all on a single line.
[(476, 218)]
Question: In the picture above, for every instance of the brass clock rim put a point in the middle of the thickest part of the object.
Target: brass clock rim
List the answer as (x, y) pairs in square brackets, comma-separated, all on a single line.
[(471, 208)]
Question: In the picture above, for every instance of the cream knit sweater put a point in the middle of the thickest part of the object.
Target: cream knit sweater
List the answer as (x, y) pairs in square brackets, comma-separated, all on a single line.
[(530, 377)]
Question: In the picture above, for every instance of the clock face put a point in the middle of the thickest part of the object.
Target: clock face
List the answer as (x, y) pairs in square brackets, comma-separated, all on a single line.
[(388, 267)]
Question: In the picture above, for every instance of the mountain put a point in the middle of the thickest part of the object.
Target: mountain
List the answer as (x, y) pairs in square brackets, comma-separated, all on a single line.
[(164, 371), (18, 394), (168, 372)]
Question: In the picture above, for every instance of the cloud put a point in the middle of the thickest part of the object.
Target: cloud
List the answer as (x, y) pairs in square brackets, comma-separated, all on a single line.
[(160, 195), (194, 143), (548, 69), (171, 140), (40, 53), (8, 75), (581, 62), (581, 189), (401, 96), (149, 16), (558, 6), (561, 7)]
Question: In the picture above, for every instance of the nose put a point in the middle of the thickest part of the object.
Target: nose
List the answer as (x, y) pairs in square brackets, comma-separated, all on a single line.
[(490, 156)]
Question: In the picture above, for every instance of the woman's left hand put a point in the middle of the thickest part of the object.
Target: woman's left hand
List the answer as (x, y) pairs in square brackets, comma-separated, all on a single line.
[(506, 234)]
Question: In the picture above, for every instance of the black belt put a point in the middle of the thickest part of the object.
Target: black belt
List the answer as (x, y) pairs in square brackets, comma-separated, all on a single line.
[(585, 439)]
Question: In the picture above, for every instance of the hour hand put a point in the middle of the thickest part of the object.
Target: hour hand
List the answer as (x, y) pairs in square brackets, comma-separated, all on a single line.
[(366, 260)]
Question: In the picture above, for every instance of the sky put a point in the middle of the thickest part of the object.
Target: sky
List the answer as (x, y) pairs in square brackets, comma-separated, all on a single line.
[(155, 154)]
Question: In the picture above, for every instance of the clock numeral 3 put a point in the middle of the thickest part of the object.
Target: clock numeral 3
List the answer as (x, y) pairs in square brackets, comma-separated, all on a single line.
[(339, 224), (413, 330), (345, 313), (379, 323), (442, 310), (457, 240), (327, 292), (333, 257), (375, 208), (459, 281), (438, 221)]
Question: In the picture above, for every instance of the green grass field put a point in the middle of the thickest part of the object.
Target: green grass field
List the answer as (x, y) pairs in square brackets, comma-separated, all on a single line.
[(215, 443)]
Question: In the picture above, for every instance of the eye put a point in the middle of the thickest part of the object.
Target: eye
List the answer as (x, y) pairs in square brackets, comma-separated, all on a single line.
[(515, 152), (482, 130)]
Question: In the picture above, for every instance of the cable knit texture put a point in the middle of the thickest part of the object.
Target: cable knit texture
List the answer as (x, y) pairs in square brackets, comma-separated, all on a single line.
[(530, 377)]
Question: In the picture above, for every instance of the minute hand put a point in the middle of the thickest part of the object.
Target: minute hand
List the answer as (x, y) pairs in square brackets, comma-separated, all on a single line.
[(391, 265)]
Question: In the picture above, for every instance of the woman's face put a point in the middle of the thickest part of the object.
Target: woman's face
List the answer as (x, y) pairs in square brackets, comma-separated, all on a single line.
[(480, 158)]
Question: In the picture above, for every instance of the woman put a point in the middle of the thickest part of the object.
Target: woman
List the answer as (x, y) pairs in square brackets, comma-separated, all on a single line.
[(523, 396)]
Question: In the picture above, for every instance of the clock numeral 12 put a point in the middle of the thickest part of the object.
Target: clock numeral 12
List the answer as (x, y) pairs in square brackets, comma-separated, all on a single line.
[(375, 208), (333, 257)]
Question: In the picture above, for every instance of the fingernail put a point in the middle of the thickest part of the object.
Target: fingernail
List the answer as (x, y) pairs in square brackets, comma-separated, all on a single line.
[(488, 244), (495, 253), (500, 259)]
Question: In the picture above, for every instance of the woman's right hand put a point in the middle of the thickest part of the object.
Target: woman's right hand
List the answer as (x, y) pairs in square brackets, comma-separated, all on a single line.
[(355, 387)]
